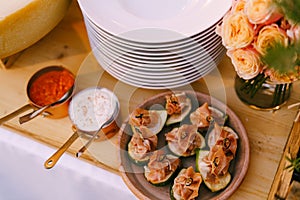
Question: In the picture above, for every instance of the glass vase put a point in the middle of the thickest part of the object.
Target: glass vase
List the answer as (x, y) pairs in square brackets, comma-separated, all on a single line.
[(261, 94)]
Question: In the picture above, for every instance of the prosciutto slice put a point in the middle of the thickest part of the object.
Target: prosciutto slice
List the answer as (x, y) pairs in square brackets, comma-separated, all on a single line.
[(223, 145), (218, 160), (161, 166), (202, 116), (142, 144), (175, 103), (215, 165), (186, 184), (184, 140), (143, 117), (225, 137)]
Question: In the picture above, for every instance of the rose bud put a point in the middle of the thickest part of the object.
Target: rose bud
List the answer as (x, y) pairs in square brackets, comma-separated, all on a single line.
[(246, 62), (236, 31), (262, 11), (268, 36)]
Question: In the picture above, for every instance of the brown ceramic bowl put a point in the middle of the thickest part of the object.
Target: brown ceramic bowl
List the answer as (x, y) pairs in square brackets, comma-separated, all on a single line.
[(133, 176)]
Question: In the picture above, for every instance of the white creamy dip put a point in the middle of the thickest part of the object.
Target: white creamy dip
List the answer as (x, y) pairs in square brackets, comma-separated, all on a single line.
[(91, 107)]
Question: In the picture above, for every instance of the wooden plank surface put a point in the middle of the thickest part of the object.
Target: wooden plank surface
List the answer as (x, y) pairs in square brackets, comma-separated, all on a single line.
[(68, 45), (281, 184)]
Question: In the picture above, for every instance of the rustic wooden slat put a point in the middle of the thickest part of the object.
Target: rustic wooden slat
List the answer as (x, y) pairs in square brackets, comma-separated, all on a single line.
[(7, 62), (281, 185), (2, 65), (294, 193)]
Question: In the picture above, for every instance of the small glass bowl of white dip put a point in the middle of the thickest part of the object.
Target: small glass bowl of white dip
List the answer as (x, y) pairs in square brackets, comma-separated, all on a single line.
[(90, 108)]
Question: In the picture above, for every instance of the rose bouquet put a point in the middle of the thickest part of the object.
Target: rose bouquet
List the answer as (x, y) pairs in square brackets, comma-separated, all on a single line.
[(262, 38)]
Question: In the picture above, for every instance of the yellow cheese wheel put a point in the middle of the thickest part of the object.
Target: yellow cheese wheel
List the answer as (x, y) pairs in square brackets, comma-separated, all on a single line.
[(24, 22)]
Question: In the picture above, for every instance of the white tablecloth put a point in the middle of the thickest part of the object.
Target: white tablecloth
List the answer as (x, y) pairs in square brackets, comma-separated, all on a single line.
[(23, 176)]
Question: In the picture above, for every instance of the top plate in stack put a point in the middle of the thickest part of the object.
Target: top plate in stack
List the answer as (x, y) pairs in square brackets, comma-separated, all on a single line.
[(155, 44)]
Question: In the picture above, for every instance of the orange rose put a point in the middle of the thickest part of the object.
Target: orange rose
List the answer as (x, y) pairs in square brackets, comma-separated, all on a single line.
[(262, 11), (268, 36), (238, 5), (236, 31), (246, 62)]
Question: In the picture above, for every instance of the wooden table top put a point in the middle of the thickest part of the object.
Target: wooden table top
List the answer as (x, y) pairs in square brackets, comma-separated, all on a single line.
[(68, 45)]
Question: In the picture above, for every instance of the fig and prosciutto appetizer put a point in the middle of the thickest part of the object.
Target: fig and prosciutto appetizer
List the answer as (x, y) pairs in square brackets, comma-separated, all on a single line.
[(161, 168), (178, 106), (154, 120), (184, 140), (213, 165), (143, 142), (224, 136), (186, 185), (206, 115)]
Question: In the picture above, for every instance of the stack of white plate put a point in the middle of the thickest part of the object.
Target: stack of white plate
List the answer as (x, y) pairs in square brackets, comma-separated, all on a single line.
[(155, 44)]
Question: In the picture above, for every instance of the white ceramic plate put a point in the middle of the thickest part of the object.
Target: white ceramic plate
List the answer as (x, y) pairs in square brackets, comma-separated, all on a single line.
[(164, 55), (148, 62), (131, 78), (170, 58), (191, 46), (151, 46), (183, 18), (161, 69), (164, 70), (126, 78), (170, 76)]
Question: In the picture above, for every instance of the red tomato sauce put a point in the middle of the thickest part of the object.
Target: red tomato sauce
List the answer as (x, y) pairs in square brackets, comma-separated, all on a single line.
[(50, 87)]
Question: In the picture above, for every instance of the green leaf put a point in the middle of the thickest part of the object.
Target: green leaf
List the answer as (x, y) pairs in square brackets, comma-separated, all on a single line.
[(290, 9), (294, 164), (282, 59)]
